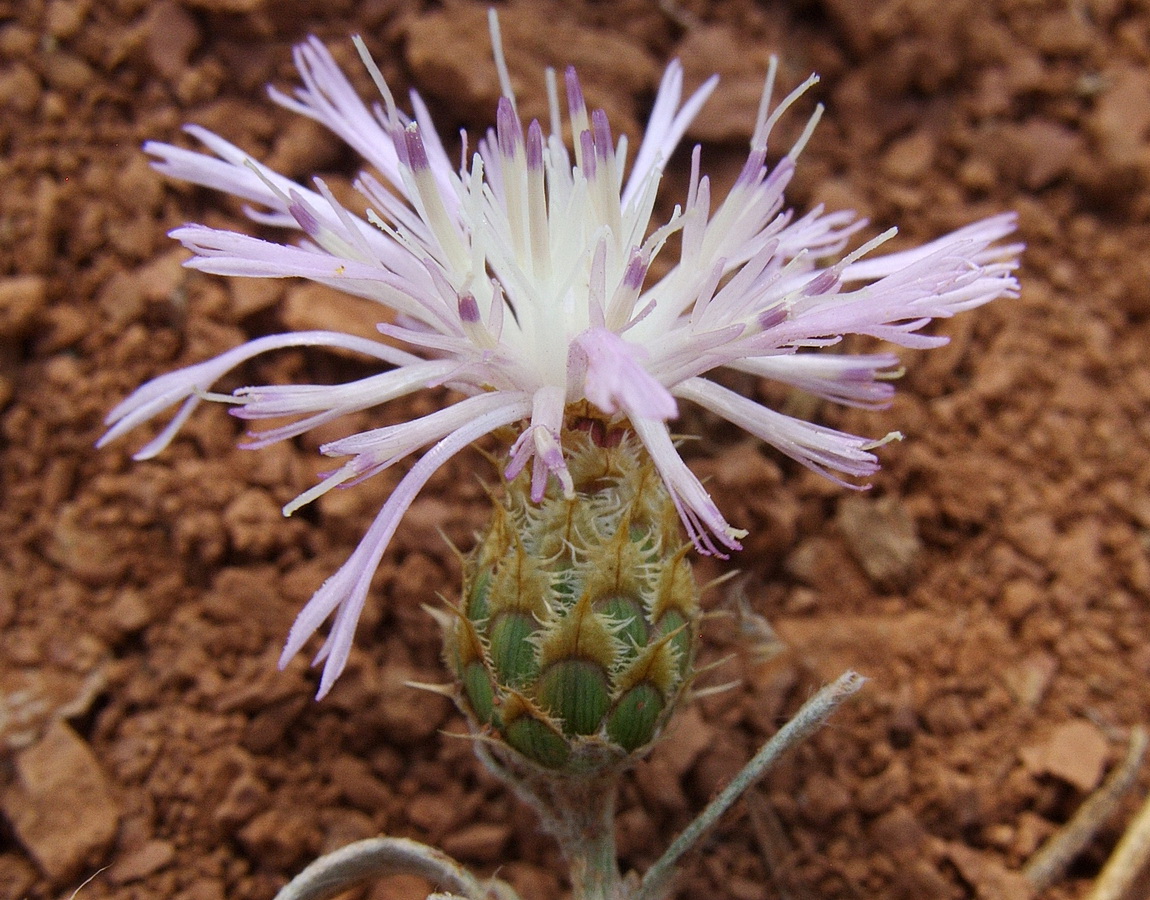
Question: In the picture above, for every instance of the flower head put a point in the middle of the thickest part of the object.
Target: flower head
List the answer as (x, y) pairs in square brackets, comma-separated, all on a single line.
[(522, 280)]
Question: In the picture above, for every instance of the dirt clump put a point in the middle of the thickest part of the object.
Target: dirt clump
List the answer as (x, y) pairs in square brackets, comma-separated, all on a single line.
[(993, 585)]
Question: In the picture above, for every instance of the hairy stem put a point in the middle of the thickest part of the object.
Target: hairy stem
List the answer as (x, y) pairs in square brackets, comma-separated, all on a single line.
[(335, 872), (577, 810), (591, 849), (808, 720)]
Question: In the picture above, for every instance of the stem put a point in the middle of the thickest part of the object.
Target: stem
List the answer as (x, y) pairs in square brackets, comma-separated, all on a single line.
[(335, 872), (594, 867), (808, 720), (1052, 860), (1129, 858), (577, 810), (1127, 861)]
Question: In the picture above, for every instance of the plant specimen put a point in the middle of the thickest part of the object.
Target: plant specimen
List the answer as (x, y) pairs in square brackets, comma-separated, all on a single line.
[(523, 281)]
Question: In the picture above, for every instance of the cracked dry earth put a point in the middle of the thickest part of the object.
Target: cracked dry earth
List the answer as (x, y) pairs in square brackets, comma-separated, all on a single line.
[(993, 585)]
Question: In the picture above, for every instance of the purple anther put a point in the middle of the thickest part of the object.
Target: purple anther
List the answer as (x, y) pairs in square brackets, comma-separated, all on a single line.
[(468, 308), (636, 271), (825, 281), (416, 153), (303, 216), (752, 168), (575, 102), (534, 146), (602, 131), (771, 318), (507, 128), (587, 145)]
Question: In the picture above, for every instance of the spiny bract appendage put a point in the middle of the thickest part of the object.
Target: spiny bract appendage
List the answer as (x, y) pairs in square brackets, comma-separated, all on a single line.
[(576, 633)]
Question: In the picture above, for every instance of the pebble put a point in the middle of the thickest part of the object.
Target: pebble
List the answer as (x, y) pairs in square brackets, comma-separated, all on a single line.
[(1076, 752), (16, 876), (83, 549), (990, 879), (1122, 117), (303, 148), (825, 564), (901, 831), (280, 838), (268, 727), (823, 799), (246, 797), (910, 158), (120, 299), (17, 42), (254, 523), (140, 189), (21, 300), (316, 306), (252, 295), (19, 88), (1020, 598), (1035, 535), (65, 17), (142, 862), (60, 806), (1079, 561), (885, 791), (635, 833), (481, 842), (530, 880), (405, 714), (1029, 680), (242, 7), (729, 114), (881, 535), (611, 67), (1048, 149), (1065, 33), (434, 813), (358, 786), (203, 889), (658, 786), (173, 37), (67, 73), (687, 737)]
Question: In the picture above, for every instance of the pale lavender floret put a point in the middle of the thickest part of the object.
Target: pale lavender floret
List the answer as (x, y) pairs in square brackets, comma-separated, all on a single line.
[(234, 172), (772, 317), (379, 449), (185, 386), (817, 447), (849, 380), (824, 283), (541, 441), (983, 234), (701, 517), (665, 127), (345, 592), (614, 378), (328, 97), (319, 404), (523, 282)]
